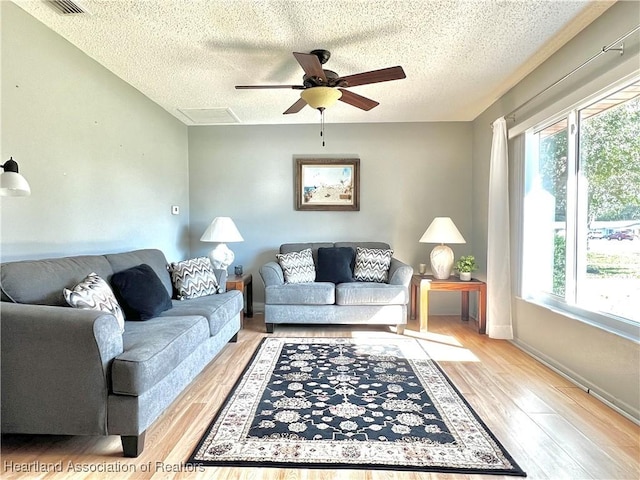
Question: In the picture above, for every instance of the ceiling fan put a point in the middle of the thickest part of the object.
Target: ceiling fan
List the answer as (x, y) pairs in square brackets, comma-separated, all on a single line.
[(322, 88)]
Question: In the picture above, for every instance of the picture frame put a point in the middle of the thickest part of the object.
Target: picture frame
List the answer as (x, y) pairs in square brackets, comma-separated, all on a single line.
[(327, 184)]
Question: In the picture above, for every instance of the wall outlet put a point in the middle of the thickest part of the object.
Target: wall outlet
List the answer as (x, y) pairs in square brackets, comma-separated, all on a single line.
[(175, 210)]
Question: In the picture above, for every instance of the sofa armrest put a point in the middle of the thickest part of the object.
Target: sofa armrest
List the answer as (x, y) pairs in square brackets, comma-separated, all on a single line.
[(400, 273), (56, 369), (221, 276), (272, 274)]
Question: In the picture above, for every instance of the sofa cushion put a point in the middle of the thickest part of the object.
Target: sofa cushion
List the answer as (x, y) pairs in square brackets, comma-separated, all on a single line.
[(153, 349), (317, 293), (151, 256), (141, 292), (354, 245), (298, 267), (372, 264), (41, 282), (94, 293), (297, 247), (335, 264), (217, 309), (370, 293), (194, 278)]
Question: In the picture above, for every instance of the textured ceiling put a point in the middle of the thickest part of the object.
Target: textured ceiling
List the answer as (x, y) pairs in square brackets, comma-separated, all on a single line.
[(459, 55)]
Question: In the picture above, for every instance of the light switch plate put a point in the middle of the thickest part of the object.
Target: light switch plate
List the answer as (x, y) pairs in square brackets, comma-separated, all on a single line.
[(175, 210)]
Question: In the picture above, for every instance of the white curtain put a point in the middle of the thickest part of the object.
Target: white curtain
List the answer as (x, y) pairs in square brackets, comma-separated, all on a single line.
[(498, 243)]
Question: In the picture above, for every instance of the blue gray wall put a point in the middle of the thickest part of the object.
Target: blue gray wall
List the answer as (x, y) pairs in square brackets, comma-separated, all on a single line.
[(410, 173), (104, 162)]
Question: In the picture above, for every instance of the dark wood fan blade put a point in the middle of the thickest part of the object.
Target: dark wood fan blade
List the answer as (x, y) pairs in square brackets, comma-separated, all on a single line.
[(296, 107), (357, 100), (249, 87), (311, 65), (374, 76)]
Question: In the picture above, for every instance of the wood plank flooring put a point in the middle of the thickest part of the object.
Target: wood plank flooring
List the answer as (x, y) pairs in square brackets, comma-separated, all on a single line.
[(552, 428)]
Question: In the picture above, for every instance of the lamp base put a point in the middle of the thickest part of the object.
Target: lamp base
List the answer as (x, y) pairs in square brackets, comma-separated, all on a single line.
[(441, 262), (221, 256)]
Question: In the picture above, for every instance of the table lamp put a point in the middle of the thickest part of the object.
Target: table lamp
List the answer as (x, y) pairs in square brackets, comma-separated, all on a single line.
[(442, 230), (223, 231)]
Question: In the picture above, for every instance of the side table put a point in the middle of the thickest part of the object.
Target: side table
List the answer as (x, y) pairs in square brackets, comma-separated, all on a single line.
[(244, 283), (421, 285)]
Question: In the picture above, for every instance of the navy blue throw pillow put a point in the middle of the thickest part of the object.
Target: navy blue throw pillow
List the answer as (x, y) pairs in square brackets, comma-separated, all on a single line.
[(335, 264), (140, 292)]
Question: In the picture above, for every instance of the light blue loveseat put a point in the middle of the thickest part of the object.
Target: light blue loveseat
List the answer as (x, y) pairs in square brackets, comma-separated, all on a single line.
[(67, 371), (364, 303)]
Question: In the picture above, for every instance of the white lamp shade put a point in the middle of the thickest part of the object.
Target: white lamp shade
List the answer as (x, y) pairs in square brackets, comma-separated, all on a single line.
[(222, 230), (12, 184), (442, 230)]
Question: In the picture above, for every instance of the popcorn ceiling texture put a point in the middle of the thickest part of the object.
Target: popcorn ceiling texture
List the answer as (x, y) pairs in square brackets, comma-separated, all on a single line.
[(459, 55)]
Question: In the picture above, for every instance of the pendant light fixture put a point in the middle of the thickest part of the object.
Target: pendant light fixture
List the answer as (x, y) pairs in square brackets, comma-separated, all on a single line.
[(12, 184)]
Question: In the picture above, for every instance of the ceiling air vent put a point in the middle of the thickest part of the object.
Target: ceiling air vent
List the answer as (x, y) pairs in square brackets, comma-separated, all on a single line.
[(209, 116), (67, 7)]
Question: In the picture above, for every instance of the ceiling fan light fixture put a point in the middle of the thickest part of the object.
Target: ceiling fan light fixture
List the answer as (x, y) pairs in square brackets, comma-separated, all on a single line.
[(320, 97)]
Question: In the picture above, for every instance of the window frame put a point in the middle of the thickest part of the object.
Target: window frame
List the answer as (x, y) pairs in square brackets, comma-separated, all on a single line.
[(574, 227)]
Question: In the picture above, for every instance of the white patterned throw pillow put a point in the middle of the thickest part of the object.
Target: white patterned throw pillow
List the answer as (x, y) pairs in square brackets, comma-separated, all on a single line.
[(298, 267), (94, 293), (372, 265), (194, 278)]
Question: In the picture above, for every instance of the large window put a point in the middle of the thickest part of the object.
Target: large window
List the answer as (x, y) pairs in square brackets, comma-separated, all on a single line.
[(581, 242)]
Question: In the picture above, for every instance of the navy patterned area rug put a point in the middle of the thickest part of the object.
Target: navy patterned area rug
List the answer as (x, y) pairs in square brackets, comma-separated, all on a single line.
[(352, 403)]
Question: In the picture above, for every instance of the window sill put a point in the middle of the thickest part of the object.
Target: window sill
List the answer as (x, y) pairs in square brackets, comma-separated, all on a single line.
[(618, 326)]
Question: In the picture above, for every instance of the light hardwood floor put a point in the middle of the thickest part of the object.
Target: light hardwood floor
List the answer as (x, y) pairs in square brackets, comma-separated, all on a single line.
[(552, 428)]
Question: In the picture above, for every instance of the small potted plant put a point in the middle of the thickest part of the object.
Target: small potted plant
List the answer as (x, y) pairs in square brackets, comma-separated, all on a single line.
[(465, 266)]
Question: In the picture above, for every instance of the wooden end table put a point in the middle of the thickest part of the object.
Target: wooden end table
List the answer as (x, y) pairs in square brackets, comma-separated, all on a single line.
[(421, 285), (244, 283)]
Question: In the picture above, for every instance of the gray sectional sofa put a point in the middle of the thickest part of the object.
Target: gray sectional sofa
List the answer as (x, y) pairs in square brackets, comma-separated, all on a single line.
[(68, 371), (319, 302)]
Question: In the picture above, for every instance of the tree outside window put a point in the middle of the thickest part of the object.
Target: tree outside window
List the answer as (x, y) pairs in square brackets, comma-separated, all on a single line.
[(582, 207)]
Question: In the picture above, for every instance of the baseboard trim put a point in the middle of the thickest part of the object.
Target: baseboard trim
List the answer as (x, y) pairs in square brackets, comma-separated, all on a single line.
[(619, 406), (258, 307)]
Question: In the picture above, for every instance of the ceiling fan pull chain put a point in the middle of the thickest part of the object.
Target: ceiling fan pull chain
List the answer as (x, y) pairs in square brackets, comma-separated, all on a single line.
[(322, 124)]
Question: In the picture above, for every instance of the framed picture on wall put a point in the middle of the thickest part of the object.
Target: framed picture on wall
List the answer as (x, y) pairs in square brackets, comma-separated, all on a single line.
[(327, 183)]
